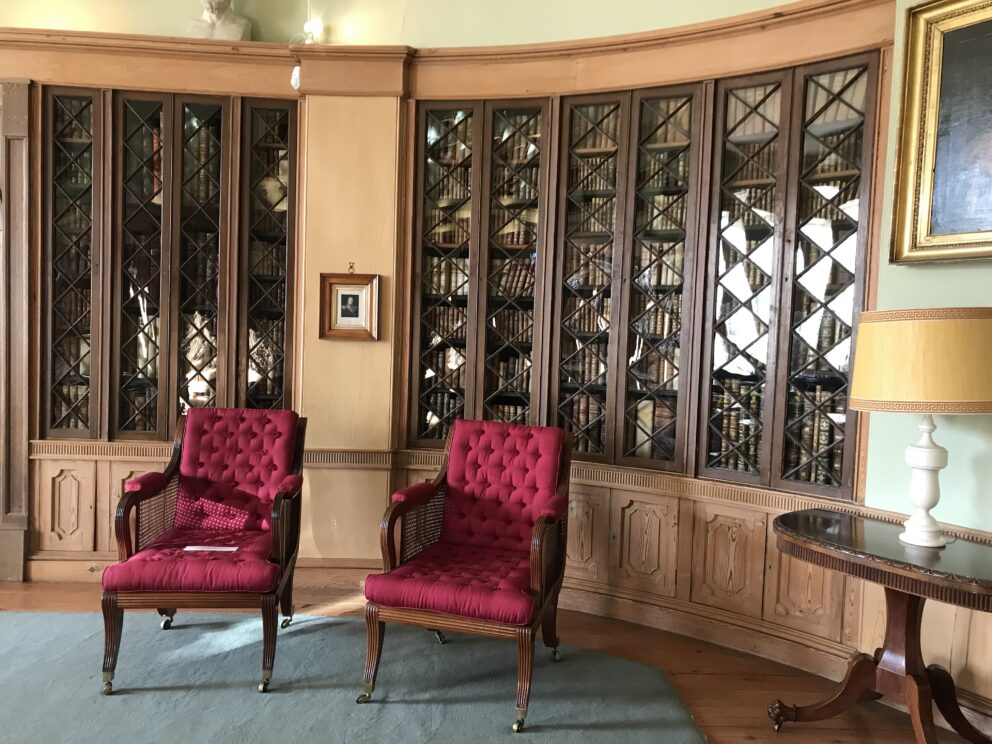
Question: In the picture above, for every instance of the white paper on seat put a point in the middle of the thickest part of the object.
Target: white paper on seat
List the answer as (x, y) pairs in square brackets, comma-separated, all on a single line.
[(212, 548)]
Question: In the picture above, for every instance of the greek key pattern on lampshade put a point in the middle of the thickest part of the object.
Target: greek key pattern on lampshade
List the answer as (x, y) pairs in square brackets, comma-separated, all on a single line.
[(932, 360)]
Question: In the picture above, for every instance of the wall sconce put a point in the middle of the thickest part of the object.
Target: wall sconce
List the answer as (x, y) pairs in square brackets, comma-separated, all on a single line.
[(313, 31)]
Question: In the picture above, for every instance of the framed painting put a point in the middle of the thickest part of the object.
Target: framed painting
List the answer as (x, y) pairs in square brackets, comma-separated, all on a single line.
[(349, 306), (943, 190)]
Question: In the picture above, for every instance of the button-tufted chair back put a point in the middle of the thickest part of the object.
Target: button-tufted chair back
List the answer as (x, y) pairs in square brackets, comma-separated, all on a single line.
[(501, 479), (237, 457)]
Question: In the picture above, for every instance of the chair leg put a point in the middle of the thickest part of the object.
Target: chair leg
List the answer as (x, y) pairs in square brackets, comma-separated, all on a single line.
[(270, 616), (525, 668), (286, 604), (113, 624), (549, 627), (167, 613), (374, 632)]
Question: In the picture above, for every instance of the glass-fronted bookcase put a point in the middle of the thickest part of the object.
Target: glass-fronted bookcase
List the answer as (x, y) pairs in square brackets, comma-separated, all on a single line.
[(167, 255), (681, 290)]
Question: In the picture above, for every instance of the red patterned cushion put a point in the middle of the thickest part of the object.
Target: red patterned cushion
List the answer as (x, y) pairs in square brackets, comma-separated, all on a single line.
[(238, 457), (502, 478), (165, 567), (202, 513), (466, 580)]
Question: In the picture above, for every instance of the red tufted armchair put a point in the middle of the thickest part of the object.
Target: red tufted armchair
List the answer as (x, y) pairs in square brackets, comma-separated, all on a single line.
[(481, 549), (233, 483)]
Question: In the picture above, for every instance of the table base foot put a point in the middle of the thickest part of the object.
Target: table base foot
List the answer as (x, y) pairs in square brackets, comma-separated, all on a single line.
[(858, 685)]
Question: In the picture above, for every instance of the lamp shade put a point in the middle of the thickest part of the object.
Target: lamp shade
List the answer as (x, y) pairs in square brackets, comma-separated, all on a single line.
[(933, 360)]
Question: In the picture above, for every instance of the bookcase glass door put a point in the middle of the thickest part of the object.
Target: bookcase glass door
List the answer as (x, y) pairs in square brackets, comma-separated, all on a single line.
[(446, 240), (658, 249), (199, 253), (269, 194), (824, 268), (586, 290), (71, 241), (141, 194), (747, 250), (515, 150)]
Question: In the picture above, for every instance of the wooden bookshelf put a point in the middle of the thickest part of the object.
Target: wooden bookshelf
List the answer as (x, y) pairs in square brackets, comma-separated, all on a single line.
[(200, 216), (695, 310)]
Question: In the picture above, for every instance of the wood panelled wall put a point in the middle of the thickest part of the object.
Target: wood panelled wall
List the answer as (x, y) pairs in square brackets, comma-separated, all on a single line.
[(690, 555)]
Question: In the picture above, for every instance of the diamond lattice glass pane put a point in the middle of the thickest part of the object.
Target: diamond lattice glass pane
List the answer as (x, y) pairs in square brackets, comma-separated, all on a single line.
[(141, 265), (657, 265), (444, 270), (71, 229), (268, 240), (199, 236), (586, 282), (823, 297), (515, 150), (746, 254)]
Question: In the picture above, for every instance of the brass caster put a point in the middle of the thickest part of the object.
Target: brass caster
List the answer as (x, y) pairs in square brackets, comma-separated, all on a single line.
[(440, 637), (263, 686), (363, 698), (777, 726), (555, 655), (166, 624), (108, 687), (285, 622), (518, 725)]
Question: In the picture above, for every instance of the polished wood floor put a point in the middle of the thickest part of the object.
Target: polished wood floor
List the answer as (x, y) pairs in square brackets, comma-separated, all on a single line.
[(726, 691)]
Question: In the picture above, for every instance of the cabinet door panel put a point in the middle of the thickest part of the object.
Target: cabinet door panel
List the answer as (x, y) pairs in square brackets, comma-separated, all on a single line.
[(588, 533), (728, 559), (803, 596), (645, 542), (66, 505)]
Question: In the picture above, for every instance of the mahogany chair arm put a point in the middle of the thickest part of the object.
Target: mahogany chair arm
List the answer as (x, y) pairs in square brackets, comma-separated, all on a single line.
[(141, 489), (420, 510), (285, 524), (547, 555)]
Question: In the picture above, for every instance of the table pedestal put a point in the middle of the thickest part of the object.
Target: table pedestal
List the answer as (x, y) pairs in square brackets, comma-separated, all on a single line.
[(896, 670)]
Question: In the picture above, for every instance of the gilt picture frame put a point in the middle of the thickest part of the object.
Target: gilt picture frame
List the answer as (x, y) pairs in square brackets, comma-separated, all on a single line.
[(943, 211), (349, 306)]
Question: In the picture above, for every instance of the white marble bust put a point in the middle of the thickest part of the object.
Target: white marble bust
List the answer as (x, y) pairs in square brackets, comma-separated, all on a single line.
[(218, 21)]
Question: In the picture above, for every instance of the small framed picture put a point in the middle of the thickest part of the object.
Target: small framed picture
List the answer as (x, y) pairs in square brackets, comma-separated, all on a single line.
[(349, 306)]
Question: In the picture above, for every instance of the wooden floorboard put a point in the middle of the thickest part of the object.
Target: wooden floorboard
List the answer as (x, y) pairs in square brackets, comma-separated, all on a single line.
[(726, 691)]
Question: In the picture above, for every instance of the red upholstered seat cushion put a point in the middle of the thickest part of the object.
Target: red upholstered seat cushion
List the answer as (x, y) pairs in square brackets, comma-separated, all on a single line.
[(165, 567), (237, 457), (502, 478), (486, 583)]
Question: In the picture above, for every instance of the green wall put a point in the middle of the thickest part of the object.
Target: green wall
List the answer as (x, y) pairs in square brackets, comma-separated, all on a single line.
[(966, 484)]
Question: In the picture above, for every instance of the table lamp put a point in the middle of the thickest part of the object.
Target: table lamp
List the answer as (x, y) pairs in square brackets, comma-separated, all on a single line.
[(926, 361)]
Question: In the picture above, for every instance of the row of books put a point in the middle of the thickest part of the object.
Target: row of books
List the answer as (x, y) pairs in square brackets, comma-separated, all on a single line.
[(583, 271), (651, 417), (448, 230), (814, 459), (447, 322), (831, 332), (201, 167), (519, 144), (144, 149), (597, 216), (266, 260), (73, 218), (512, 323), (75, 349), (520, 232), (587, 316), (73, 305), (662, 318), (738, 412), (73, 171), (450, 145), (446, 276), (656, 371), (757, 163), (588, 364), (675, 174), (70, 405), (511, 414), (136, 413), (593, 174), (661, 212), (441, 407), (512, 375), (444, 368), (512, 277), (448, 187), (659, 264), (516, 183), (584, 415), (607, 123)]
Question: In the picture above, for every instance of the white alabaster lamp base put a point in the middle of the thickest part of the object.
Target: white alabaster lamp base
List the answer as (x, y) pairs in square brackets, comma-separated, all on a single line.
[(926, 459)]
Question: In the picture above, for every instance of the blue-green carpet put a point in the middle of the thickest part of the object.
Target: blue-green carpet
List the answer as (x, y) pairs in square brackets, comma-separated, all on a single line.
[(197, 683)]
